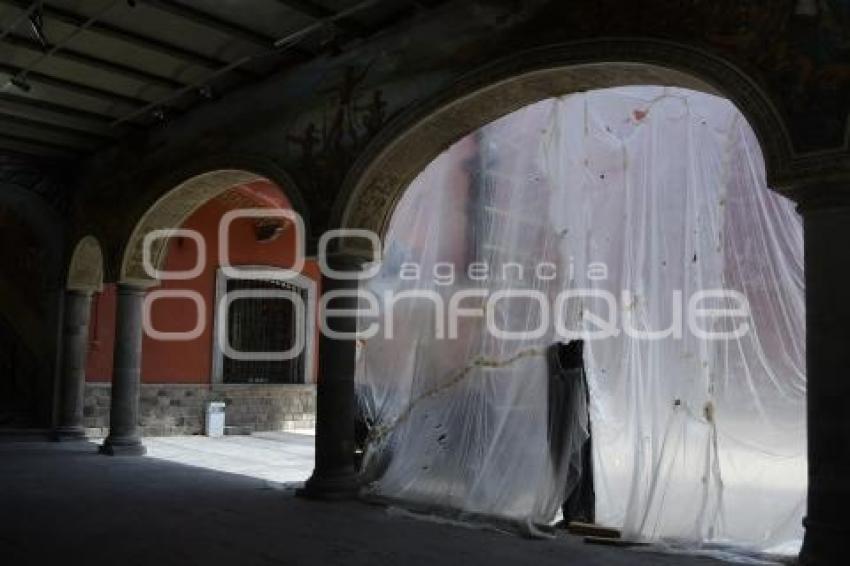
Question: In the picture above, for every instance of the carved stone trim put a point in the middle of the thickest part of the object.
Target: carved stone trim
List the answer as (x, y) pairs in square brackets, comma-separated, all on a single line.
[(149, 189), (85, 272), (184, 192), (416, 137), (170, 211)]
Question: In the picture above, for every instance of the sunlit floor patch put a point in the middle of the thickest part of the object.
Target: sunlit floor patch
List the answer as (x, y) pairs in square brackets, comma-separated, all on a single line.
[(280, 457)]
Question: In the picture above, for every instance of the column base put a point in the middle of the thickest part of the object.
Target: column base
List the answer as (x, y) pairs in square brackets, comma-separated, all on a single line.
[(123, 447), (332, 486), (68, 434), (824, 544)]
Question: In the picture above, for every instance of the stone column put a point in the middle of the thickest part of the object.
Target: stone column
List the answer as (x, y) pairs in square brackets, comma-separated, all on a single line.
[(75, 341), (826, 216), (124, 438), (334, 476)]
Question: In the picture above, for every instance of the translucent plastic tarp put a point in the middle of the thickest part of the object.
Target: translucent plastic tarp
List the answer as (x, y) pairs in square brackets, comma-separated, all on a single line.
[(653, 195)]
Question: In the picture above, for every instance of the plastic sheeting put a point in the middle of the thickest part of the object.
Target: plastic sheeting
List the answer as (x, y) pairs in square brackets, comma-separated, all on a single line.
[(651, 194)]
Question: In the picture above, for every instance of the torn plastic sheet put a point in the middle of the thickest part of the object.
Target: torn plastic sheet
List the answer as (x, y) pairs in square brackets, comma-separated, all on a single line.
[(655, 191)]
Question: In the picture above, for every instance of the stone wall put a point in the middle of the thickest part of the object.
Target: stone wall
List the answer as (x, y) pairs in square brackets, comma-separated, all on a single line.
[(166, 410)]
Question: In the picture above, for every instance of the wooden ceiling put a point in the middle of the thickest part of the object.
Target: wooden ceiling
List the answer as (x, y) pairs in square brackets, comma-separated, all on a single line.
[(77, 75)]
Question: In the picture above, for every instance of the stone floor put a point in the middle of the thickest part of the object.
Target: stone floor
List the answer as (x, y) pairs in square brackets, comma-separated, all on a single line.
[(64, 503)]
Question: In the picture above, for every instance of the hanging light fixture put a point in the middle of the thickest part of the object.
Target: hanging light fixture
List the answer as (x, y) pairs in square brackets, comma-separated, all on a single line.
[(206, 92), (21, 82)]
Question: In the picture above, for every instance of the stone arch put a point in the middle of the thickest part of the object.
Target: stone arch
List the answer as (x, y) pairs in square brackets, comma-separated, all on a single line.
[(413, 139), (175, 206), (85, 271)]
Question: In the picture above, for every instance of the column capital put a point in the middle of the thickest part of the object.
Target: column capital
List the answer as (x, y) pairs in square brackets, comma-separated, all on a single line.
[(84, 293), (821, 196), (133, 287)]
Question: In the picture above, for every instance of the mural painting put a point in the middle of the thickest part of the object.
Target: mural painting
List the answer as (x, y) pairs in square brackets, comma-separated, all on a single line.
[(326, 143), (798, 49)]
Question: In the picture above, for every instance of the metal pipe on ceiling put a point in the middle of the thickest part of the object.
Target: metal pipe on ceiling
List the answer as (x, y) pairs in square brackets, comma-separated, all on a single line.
[(320, 12), (55, 108), (20, 77), (78, 57), (207, 20), (71, 86), (280, 45), (11, 27), (300, 34), (126, 36), (58, 128)]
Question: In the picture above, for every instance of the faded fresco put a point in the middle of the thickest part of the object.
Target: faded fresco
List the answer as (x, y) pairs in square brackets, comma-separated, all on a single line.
[(799, 49), (324, 144)]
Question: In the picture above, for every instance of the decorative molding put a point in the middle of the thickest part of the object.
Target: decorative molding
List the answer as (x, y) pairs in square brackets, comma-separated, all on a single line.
[(171, 211), (416, 136), (152, 190), (85, 271)]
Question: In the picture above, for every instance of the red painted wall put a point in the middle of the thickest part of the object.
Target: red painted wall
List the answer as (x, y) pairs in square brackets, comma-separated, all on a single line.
[(191, 361), (101, 335)]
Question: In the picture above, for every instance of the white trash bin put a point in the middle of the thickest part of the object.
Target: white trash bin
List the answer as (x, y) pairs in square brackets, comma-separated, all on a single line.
[(215, 419)]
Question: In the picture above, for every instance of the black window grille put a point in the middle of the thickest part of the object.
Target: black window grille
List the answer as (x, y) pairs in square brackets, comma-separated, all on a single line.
[(263, 325)]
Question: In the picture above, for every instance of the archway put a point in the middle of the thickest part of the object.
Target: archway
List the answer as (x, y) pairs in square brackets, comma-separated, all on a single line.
[(418, 134), (85, 278), (170, 211), (413, 139), (595, 175), (197, 245), (85, 270)]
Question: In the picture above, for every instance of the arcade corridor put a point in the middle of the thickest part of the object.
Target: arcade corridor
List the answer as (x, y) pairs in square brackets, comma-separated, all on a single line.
[(209, 210), (104, 511)]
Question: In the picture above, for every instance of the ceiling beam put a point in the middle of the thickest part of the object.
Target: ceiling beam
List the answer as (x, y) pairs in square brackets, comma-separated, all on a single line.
[(56, 113), (125, 36), (320, 12), (35, 147), (82, 89), (285, 43), (11, 117), (96, 62), (210, 21), (33, 153), (40, 133)]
